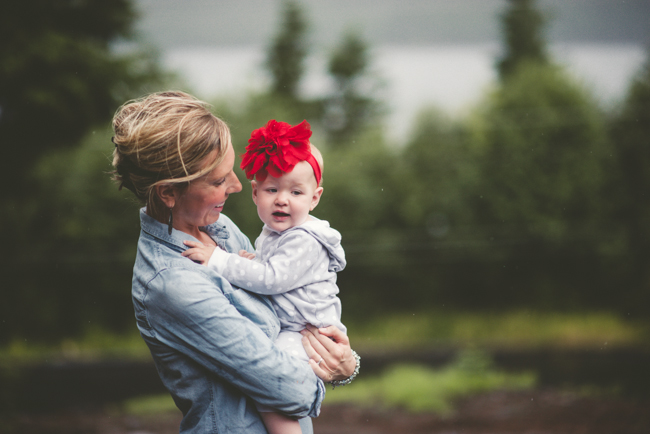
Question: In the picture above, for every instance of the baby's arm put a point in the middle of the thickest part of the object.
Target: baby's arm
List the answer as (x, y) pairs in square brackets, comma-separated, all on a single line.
[(199, 252), (288, 268), (246, 254)]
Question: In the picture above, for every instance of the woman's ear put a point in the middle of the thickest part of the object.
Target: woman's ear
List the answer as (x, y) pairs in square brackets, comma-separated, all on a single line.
[(316, 198), (168, 194)]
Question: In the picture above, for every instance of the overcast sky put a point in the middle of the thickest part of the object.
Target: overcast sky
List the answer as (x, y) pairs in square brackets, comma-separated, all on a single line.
[(175, 23)]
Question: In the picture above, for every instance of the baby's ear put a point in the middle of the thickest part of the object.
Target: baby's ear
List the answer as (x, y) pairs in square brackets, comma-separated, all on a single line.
[(316, 198), (254, 187)]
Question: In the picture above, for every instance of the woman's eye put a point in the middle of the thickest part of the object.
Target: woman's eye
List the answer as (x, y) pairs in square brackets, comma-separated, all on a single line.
[(218, 182)]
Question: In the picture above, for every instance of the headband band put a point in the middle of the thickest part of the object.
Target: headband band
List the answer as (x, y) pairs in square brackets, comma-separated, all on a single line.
[(316, 167), (276, 148)]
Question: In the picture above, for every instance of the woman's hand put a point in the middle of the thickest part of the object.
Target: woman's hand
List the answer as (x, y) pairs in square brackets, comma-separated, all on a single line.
[(330, 355)]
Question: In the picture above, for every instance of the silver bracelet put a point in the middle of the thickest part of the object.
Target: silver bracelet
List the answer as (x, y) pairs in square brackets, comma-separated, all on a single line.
[(348, 380)]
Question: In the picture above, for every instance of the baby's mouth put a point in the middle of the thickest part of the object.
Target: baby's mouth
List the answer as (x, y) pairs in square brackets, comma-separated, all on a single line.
[(280, 214)]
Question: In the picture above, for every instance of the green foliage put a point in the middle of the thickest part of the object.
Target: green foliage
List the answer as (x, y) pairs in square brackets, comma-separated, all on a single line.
[(349, 109), (420, 328), (60, 75), (438, 170), (629, 187), (422, 389), (84, 267), (286, 56), (543, 155), (522, 32), (149, 405)]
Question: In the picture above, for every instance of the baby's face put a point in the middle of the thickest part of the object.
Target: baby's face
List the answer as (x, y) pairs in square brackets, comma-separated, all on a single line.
[(285, 202)]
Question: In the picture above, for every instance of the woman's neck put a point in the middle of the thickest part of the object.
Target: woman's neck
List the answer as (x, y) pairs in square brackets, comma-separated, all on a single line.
[(200, 235)]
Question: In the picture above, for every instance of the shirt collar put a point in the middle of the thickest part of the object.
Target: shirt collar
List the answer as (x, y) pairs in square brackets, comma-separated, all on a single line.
[(156, 229)]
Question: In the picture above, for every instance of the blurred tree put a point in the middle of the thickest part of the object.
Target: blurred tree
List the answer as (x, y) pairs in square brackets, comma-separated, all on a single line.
[(80, 237), (543, 159), (437, 176), (286, 56), (349, 108), (59, 75), (438, 170), (630, 190), (522, 26), (361, 200)]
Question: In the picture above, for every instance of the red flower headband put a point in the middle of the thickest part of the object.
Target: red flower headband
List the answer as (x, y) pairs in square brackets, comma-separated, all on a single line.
[(276, 148)]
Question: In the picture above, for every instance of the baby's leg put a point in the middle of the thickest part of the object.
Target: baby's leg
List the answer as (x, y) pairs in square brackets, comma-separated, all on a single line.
[(277, 423)]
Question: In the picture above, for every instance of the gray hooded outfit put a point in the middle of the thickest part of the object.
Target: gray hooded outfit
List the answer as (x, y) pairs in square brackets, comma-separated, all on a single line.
[(297, 269)]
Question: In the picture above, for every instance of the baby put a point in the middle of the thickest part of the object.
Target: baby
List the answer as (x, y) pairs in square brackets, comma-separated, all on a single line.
[(297, 255)]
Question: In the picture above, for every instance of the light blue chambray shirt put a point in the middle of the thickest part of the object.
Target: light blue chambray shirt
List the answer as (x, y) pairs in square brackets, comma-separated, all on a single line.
[(212, 343)]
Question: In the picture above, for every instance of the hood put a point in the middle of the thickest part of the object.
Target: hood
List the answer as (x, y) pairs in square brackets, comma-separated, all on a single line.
[(328, 237)]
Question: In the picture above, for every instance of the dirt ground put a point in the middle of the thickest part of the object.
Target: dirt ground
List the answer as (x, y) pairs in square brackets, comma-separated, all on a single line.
[(532, 412)]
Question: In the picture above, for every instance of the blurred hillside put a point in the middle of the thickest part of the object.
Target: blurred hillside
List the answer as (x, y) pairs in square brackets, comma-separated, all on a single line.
[(168, 23)]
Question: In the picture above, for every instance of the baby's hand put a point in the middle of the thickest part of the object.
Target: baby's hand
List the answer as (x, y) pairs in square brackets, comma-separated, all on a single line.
[(198, 252), (246, 254)]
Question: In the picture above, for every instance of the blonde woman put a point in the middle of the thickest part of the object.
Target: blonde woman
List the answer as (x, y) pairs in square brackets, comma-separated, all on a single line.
[(212, 343)]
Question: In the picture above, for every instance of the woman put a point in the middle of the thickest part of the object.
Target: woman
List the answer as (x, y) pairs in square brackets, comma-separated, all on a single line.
[(212, 343)]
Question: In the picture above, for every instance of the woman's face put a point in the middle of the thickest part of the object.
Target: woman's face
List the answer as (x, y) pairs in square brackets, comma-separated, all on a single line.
[(201, 203)]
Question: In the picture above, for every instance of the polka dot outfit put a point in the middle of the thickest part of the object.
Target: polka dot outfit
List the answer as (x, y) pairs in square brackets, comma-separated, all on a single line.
[(297, 269)]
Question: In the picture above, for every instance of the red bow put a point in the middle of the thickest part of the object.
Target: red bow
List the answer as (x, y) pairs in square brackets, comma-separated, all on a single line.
[(276, 148)]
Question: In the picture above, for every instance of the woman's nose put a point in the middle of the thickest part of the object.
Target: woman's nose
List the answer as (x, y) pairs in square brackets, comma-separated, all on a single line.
[(235, 185)]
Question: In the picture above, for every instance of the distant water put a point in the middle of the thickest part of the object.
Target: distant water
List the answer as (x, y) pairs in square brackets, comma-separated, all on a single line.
[(452, 78)]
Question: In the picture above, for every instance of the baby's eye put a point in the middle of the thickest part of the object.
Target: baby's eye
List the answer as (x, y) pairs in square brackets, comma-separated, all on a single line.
[(296, 192), (272, 190)]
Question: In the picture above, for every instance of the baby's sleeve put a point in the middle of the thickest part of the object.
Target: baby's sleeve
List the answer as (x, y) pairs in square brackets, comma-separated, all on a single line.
[(282, 272)]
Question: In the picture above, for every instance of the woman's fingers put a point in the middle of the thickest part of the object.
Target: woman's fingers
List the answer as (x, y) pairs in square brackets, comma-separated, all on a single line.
[(315, 339), (330, 355), (321, 370), (317, 362), (335, 334)]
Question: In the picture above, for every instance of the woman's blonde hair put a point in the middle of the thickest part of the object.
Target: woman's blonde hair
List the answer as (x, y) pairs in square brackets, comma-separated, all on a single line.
[(165, 138)]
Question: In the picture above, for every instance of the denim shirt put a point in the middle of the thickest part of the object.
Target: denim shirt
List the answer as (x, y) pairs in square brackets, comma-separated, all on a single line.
[(212, 343)]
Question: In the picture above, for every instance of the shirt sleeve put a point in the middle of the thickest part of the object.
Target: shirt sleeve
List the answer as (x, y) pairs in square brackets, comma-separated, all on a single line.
[(198, 320), (294, 258)]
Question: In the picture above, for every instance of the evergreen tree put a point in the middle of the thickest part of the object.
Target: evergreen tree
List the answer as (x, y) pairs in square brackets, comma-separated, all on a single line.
[(59, 75), (522, 27), (543, 159), (59, 78), (348, 109), (286, 56)]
